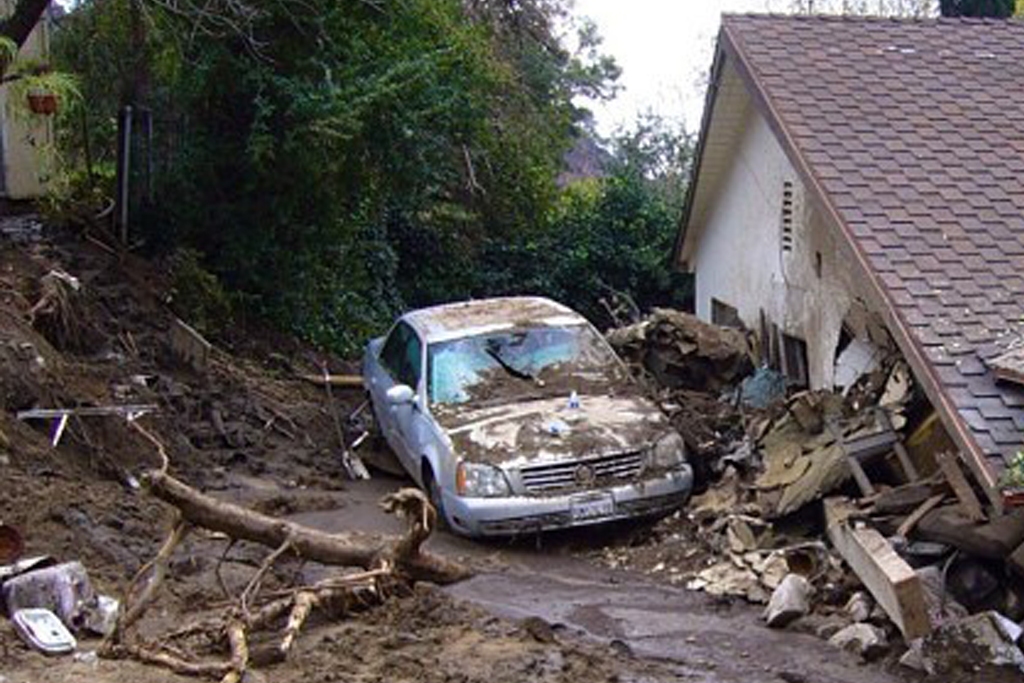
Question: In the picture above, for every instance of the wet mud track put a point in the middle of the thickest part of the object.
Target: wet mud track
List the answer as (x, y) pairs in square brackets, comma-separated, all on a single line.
[(705, 638)]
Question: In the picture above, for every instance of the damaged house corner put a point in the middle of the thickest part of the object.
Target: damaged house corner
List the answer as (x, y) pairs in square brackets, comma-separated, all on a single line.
[(872, 240)]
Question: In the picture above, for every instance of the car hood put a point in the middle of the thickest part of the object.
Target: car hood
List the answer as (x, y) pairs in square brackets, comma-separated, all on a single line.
[(549, 429)]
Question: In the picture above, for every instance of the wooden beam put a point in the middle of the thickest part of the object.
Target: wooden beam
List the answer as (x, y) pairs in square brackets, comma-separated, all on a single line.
[(950, 465), (923, 509), (892, 582)]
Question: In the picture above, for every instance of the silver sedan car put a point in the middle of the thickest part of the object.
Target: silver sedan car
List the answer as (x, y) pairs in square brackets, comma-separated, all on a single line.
[(516, 416)]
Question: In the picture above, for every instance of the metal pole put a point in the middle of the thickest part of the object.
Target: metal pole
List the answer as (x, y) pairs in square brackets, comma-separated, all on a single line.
[(124, 153)]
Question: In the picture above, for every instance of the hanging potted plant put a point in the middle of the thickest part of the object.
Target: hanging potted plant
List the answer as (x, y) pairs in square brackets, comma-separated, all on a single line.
[(1011, 482), (42, 101), (41, 89)]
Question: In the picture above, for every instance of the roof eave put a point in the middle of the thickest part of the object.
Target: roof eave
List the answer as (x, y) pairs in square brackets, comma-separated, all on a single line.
[(710, 97)]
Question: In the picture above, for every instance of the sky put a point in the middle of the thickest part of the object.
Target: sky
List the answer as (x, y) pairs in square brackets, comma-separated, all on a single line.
[(664, 48)]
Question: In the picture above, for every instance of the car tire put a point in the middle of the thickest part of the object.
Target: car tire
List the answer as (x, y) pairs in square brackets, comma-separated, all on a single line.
[(434, 494)]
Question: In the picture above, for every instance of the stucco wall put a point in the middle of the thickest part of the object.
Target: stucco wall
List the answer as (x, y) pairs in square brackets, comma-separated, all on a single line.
[(27, 139), (740, 261)]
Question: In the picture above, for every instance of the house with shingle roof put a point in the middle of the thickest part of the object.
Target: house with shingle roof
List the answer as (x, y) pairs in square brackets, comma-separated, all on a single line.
[(864, 178)]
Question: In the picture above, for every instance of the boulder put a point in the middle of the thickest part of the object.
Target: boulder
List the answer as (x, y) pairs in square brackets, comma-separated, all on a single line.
[(788, 602)]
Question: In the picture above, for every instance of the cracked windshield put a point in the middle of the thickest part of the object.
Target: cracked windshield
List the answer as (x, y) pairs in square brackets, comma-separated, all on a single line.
[(533, 362)]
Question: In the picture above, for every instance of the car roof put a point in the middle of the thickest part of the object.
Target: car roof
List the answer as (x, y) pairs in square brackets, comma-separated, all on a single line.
[(479, 316)]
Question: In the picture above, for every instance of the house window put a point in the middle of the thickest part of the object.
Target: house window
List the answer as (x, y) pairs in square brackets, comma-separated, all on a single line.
[(794, 360), (725, 315), (787, 216)]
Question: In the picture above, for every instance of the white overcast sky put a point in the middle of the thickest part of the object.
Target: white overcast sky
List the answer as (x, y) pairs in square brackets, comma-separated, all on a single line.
[(665, 49)]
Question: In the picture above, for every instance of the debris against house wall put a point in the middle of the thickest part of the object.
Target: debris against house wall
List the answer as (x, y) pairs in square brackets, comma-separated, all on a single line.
[(769, 252)]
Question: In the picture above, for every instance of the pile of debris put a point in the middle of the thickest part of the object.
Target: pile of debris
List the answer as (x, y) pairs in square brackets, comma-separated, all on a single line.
[(690, 367), (820, 508)]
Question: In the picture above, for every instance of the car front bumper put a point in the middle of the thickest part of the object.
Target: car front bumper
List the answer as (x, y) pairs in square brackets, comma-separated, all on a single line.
[(530, 514)]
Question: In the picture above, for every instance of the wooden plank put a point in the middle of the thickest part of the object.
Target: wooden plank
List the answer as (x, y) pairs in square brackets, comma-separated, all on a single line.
[(893, 583), (901, 453), (949, 463), (343, 381), (863, 483), (923, 509), (189, 346)]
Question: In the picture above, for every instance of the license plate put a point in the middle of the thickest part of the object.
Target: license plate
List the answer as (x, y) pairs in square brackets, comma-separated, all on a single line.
[(592, 507)]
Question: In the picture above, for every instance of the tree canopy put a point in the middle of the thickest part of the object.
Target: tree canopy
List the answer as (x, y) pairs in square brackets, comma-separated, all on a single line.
[(334, 162)]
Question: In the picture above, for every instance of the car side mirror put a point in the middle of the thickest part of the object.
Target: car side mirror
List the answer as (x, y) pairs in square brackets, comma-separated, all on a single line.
[(401, 394)]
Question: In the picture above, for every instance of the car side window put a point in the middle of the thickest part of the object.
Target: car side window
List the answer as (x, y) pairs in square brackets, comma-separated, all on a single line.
[(402, 355)]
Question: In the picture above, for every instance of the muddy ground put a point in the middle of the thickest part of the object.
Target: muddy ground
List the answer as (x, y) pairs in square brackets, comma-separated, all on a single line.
[(246, 430)]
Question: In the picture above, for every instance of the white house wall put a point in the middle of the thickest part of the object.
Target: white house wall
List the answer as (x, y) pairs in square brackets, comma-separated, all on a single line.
[(27, 138), (739, 259)]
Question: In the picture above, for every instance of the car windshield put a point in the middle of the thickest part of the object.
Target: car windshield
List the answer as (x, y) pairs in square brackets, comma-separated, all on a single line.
[(518, 362)]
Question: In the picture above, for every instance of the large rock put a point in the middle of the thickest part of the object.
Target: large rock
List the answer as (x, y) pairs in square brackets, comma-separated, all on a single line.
[(870, 642), (789, 601), (984, 639)]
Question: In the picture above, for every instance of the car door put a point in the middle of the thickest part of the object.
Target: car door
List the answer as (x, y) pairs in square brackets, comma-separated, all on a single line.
[(401, 357)]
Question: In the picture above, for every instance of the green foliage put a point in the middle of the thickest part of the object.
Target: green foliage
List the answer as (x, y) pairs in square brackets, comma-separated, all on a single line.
[(197, 296), (1013, 476), (74, 194), (336, 162)]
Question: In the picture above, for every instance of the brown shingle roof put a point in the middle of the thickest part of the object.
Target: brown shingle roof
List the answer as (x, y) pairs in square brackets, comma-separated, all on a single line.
[(913, 132)]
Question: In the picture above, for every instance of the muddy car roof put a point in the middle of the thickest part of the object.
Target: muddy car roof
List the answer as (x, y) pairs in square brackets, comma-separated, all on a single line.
[(469, 318)]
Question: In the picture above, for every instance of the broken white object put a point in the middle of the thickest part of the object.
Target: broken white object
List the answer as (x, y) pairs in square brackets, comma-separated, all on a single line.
[(859, 606), (858, 359), (64, 589), (70, 280), (41, 629), (102, 617), (788, 602)]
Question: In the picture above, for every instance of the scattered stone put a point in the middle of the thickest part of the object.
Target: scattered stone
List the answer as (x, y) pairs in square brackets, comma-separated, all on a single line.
[(912, 658), (788, 602), (870, 642), (859, 606)]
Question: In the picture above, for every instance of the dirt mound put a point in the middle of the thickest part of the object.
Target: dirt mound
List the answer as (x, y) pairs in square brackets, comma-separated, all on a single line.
[(680, 351)]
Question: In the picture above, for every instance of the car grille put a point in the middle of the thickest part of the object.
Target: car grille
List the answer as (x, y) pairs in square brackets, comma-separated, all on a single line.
[(563, 475)]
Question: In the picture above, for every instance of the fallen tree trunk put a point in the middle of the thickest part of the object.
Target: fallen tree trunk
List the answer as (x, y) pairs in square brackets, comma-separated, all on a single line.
[(351, 549)]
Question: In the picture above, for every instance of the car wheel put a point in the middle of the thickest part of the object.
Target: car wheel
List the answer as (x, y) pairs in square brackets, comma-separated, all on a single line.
[(434, 494)]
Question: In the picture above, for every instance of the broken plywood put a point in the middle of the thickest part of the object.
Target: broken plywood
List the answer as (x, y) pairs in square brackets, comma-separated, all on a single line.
[(1009, 367), (892, 582), (189, 346)]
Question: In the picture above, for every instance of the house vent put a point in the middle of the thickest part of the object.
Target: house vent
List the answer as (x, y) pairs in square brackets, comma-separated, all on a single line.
[(787, 216)]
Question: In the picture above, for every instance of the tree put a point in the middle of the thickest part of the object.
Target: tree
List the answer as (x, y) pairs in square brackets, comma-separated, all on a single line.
[(19, 24), (977, 8), (334, 145)]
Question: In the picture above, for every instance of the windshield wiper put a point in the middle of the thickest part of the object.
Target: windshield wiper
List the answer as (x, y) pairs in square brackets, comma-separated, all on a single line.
[(515, 372)]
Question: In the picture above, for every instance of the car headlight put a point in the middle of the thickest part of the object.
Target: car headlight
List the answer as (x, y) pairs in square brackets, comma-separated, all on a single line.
[(669, 452), (477, 480)]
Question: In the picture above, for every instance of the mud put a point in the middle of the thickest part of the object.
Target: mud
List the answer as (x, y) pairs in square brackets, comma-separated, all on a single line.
[(539, 609)]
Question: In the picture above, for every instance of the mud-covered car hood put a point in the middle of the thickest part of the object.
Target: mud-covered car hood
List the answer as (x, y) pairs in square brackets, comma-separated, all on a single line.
[(549, 429)]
